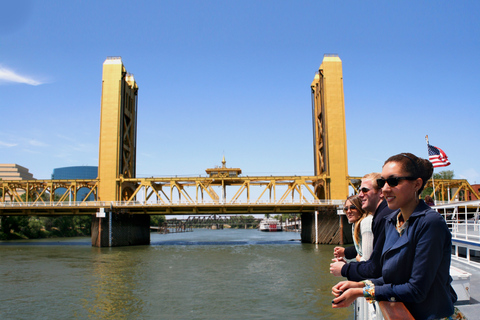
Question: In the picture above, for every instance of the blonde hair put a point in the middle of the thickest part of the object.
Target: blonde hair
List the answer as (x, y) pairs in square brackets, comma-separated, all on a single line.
[(357, 202), (373, 177)]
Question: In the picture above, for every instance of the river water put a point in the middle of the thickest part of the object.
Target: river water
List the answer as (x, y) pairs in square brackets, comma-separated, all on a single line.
[(204, 274)]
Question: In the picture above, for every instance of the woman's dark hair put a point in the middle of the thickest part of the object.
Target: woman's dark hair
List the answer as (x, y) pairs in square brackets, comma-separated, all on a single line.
[(416, 167)]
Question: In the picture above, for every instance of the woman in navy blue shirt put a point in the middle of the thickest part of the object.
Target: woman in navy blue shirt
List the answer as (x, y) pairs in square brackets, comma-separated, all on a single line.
[(417, 250)]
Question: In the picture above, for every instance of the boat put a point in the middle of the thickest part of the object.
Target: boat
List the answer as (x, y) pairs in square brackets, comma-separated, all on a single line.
[(270, 225)]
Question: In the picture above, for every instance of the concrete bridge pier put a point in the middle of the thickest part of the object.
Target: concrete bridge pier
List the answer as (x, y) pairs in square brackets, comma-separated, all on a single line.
[(120, 229), (326, 228)]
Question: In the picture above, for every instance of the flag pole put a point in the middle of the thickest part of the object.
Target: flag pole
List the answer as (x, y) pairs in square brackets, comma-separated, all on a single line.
[(433, 180)]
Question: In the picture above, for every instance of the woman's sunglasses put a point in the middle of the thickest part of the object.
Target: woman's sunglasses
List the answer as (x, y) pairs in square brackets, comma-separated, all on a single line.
[(352, 207), (392, 181)]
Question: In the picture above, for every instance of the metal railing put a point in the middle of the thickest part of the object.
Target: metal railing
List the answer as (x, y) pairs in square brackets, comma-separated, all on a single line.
[(383, 310), (463, 220), (106, 204)]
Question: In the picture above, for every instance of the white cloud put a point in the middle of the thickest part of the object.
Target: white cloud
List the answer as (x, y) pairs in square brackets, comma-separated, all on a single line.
[(36, 143), (30, 151), (7, 75), (6, 144)]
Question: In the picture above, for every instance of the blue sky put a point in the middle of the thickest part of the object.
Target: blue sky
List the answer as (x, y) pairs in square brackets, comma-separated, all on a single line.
[(233, 78)]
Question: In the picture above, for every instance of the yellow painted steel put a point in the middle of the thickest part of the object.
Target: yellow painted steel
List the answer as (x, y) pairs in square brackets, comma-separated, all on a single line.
[(117, 150), (187, 195), (451, 189), (202, 189), (218, 193), (330, 138), (42, 191)]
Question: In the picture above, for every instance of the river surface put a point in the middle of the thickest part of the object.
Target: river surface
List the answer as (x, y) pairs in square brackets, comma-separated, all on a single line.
[(204, 274)]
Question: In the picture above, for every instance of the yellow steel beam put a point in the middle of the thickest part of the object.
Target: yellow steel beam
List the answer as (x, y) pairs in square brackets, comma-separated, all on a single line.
[(442, 186), (299, 188), (239, 192)]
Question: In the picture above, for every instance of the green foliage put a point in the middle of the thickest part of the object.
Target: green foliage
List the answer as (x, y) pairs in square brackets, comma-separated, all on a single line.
[(13, 223), (157, 220), (32, 227), (446, 174), (240, 222), (44, 197), (235, 222), (284, 216), (83, 224)]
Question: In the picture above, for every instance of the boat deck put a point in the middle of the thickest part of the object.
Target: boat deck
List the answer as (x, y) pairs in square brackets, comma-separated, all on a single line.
[(463, 220), (470, 309)]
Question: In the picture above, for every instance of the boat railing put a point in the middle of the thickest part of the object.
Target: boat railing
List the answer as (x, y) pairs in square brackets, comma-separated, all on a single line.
[(383, 310), (463, 220)]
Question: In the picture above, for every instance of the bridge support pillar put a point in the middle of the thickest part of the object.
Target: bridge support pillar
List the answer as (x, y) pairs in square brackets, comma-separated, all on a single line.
[(121, 229), (325, 228)]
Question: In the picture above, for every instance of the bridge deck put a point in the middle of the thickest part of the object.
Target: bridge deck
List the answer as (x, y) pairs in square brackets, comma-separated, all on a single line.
[(153, 208)]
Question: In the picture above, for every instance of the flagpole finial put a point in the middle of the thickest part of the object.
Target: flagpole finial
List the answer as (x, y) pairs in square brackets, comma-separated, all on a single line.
[(426, 138)]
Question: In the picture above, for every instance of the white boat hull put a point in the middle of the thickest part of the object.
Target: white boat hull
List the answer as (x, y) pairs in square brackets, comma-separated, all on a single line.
[(270, 225)]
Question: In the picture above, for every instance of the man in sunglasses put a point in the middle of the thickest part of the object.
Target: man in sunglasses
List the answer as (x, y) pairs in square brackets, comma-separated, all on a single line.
[(372, 201)]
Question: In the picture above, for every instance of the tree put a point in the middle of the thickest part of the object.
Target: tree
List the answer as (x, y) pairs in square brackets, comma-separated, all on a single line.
[(157, 220), (13, 227), (446, 175)]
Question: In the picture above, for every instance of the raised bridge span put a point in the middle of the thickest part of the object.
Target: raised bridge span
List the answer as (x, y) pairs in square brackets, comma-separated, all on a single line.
[(186, 195), (170, 196), (130, 200)]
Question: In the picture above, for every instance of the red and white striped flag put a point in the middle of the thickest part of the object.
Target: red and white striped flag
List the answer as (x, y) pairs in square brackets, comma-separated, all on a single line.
[(437, 157)]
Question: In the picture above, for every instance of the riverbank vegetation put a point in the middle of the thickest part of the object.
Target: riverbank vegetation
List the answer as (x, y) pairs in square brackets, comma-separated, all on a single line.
[(33, 227)]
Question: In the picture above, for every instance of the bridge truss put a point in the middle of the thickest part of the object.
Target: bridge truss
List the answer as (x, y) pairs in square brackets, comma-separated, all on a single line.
[(171, 195), (187, 195)]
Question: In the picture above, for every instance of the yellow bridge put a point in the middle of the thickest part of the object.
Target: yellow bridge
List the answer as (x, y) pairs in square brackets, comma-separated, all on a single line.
[(130, 200), (188, 195)]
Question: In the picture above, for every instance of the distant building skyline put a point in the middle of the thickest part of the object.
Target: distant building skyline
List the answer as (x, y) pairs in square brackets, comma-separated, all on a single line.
[(13, 171), (76, 173)]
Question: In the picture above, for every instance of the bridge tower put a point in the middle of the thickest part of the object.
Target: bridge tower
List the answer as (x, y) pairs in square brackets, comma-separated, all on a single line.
[(330, 138), (117, 158), (330, 152)]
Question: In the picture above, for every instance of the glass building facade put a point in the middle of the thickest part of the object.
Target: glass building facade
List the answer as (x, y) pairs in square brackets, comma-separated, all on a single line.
[(76, 173)]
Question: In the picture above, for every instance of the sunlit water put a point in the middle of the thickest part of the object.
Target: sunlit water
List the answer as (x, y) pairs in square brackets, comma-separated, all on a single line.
[(204, 274)]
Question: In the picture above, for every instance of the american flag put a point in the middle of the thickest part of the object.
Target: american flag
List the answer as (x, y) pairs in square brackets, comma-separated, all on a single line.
[(437, 157)]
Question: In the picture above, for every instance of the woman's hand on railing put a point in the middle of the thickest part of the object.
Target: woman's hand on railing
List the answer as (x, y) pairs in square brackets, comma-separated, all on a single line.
[(339, 252), (346, 292), (336, 266)]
